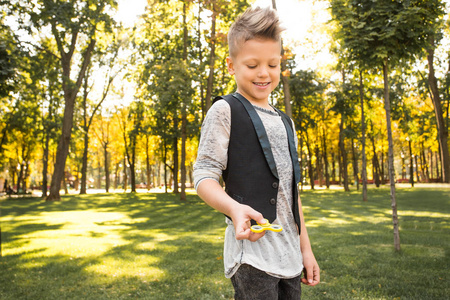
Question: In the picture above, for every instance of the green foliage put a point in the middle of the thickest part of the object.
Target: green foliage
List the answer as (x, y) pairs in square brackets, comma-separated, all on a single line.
[(307, 93), (7, 62), (375, 30), (169, 85)]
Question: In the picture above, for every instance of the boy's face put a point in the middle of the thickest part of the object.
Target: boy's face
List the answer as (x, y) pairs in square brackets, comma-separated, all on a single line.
[(256, 68)]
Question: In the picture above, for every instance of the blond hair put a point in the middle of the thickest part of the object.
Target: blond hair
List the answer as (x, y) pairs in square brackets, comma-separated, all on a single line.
[(254, 23)]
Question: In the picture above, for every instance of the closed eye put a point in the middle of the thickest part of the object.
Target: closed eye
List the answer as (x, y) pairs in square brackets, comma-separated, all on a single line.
[(251, 67)]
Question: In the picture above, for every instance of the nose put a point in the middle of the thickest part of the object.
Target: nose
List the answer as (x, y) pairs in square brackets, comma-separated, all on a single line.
[(263, 72)]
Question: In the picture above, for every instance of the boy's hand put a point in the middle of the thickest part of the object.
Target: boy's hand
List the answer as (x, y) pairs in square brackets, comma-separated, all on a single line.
[(241, 217), (311, 269)]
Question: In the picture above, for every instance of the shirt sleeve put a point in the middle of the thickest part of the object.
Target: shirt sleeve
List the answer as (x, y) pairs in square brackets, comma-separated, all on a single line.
[(212, 156)]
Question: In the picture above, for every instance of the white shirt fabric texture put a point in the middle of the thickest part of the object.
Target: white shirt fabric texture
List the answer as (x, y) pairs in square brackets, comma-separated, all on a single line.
[(276, 253)]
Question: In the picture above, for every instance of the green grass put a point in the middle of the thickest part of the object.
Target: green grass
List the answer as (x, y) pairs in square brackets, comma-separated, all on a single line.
[(151, 246)]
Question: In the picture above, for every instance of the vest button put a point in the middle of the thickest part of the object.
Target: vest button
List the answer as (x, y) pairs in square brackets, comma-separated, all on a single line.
[(275, 185), (273, 201)]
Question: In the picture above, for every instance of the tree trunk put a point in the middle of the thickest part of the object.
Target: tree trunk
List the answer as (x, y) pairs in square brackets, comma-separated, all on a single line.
[(184, 114), (430, 153), (19, 179), (333, 165), (147, 163), (125, 175), (165, 165), (107, 181), (27, 173), (212, 57), (99, 171), (325, 159), (84, 162), (363, 139), (376, 169), (200, 59), (116, 177), (438, 112), (387, 106), (183, 154), (175, 160), (310, 167), (375, 165), (70, 93), (417, 169), (411, 164), (84, 127), (340, 178), (438, 166), (62, 151), (285, 77), (133, 166), (301, 162), (319, 166), (64, 184), (45, 163), (46, 149), (343, 154), (426, 165), (285, 81), (355, 165)]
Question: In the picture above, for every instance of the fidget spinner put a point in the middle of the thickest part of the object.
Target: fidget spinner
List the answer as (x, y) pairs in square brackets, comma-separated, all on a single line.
[(266, 226)]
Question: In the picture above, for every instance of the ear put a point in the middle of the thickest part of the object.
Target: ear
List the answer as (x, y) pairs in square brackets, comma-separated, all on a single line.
[(230, 65)]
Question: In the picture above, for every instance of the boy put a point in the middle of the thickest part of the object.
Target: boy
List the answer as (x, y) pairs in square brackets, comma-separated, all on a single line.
[(252, 146)]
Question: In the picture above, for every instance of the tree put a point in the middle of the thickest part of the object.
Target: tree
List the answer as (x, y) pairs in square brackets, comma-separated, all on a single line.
[(114, 44), (363, 136), (382, 33), (49, 74), (307, 91), (74, 26), (284, 76), (438, 112), (10, 58), (344, 105), (212, 54)]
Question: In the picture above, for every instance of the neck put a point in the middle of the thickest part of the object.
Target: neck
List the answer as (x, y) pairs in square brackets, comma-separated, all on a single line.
[(262, 103)]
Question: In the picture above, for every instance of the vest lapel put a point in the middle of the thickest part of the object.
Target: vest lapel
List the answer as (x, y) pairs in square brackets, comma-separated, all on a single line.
[(260, 131)]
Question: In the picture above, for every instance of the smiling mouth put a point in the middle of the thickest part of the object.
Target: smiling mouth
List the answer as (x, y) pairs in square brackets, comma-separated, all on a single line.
[(261, 83)]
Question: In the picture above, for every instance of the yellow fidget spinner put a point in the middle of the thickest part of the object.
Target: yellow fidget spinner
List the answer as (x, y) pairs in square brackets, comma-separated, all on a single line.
[(267, 226)]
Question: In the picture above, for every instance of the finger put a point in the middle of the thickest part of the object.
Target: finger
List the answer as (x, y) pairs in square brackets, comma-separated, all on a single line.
[(255, 236), (257, 216), (243, 234), (249, 235), (307, 276), (316, 278), (311, 280)]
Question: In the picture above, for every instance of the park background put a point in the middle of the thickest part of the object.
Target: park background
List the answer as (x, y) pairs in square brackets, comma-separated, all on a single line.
[(105, 97)]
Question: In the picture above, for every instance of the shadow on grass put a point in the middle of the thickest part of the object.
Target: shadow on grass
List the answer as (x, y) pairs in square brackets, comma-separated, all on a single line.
[(121, 246), (353, 242), (152, 246)]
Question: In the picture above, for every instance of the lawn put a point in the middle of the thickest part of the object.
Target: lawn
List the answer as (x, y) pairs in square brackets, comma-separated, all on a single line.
[(151, 246)]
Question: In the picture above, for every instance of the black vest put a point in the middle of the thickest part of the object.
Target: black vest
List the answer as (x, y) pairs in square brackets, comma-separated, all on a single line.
[(251, 176)]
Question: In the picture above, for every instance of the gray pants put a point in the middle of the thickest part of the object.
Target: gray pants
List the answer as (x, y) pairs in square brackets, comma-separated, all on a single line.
[(252, 284)]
